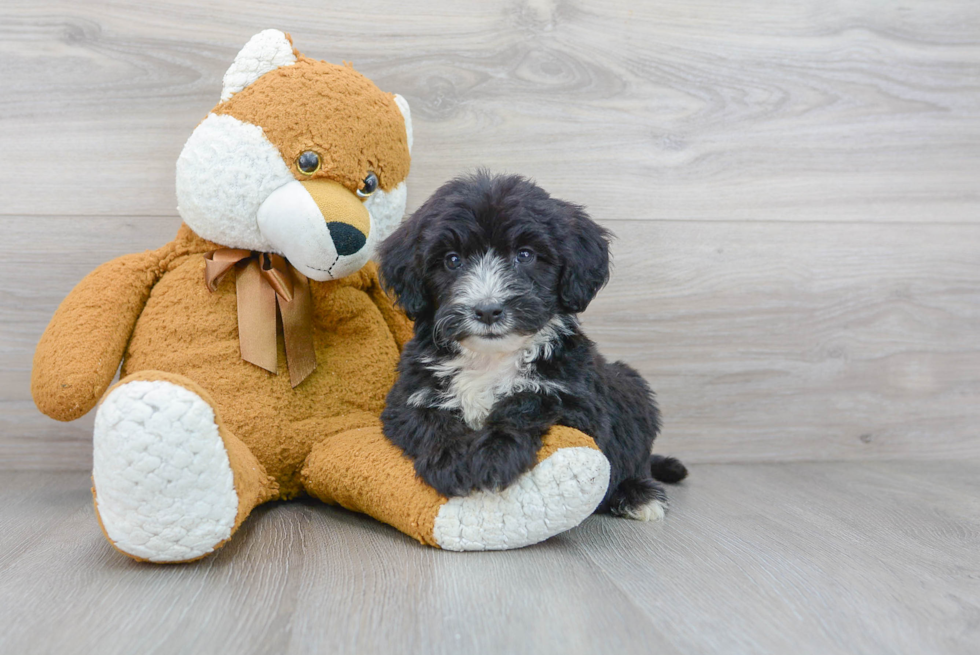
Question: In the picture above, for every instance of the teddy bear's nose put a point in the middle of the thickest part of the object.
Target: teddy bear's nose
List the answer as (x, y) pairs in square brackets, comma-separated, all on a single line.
[(347, 239)]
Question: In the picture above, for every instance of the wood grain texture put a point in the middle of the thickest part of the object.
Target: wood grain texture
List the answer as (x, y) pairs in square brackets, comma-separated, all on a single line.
[(764, 341), (804, 558), (682, 110), (794, 188)]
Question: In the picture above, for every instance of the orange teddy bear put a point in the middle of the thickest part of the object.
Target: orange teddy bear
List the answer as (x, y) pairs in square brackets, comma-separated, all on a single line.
[(257, 348)]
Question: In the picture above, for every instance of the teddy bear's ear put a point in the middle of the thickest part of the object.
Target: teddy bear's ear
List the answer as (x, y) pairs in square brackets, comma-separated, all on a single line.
[(407, 114), (264, 52)]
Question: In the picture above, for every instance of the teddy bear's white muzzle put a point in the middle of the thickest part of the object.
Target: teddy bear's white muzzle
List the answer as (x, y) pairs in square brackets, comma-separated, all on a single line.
[(319, 226)]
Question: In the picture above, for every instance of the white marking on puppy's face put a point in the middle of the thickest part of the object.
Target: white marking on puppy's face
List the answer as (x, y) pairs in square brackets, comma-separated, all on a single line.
[(487, 280)]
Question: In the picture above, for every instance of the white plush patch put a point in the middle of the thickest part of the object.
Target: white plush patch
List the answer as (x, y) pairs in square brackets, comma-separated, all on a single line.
[(386, 209), (652, 511), (555, 496), (264, 52), (486, 370), (164, 487), (225, 172), (233, 188), (407, 115), (294, 226)]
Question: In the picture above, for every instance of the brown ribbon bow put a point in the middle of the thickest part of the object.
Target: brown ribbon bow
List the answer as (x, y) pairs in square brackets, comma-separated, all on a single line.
[(264, 281)]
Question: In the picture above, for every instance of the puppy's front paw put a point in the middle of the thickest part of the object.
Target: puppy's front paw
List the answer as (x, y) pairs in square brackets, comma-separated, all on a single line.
[(446, 471), (498, 459), (653, 510)]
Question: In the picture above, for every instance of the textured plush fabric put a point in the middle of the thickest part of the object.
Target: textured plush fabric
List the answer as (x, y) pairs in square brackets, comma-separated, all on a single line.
[(80, 350), (362, 471), (264, 52), (550, 498), (191, 424), (186, 330), (188, 336), (225, 172), (165, 486), (252, 484), (355, 348), (245, 151), (563, 437), (332, 110)]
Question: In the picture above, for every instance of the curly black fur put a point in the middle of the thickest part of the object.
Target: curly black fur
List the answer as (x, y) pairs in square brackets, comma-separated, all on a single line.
[(491, 224)]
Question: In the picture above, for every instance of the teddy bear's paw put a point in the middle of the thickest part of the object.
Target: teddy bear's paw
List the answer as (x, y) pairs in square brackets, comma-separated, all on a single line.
[(554, 496), (164, 486)]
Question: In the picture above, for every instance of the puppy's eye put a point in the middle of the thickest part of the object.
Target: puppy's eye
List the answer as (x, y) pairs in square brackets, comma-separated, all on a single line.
[(368, 186), (524, 256), (308, 163), (453, 261)]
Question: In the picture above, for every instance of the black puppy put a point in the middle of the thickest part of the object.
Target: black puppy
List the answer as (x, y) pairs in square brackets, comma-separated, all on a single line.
[(494, 271)]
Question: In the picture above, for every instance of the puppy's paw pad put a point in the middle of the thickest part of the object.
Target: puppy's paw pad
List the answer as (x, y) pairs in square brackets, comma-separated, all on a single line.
[(655, 510)]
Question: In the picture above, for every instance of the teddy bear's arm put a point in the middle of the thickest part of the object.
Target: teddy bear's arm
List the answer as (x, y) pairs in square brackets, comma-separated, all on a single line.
[(399, 324), (80, 351)]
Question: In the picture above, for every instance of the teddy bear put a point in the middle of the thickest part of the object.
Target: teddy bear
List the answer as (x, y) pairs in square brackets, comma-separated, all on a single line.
[(258, 346)]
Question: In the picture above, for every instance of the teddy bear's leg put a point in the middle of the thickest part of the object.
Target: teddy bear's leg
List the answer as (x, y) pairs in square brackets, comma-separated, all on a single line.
[(170, 482), (362, 471)]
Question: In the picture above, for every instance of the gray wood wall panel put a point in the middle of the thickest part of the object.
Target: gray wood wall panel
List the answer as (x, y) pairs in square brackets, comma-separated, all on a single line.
[(684, 110), (794, 188)]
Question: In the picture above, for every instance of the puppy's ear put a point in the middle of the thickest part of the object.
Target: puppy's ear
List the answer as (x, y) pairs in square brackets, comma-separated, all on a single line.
[(401, 268), (586, 266)]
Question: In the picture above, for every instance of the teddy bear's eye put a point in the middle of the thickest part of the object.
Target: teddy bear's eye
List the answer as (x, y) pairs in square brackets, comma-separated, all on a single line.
[(368, 186), (308, 163)]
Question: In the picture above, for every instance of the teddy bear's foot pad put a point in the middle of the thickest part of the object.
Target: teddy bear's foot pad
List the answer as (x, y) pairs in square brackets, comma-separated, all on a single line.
[(164, 486), (555, 496)]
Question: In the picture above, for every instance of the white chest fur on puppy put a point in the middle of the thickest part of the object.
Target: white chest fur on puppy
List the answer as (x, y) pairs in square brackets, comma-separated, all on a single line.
[(486, 370)]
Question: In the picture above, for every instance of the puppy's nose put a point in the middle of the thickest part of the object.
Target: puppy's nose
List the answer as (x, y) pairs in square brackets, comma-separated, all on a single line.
[(489, 313)]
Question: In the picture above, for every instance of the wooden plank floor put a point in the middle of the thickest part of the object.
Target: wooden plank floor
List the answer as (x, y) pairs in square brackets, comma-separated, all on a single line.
[(816, 558)]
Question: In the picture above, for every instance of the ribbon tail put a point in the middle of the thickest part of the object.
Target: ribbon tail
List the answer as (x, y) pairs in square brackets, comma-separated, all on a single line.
[(257, 318), (275, 269), (297, 329)]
